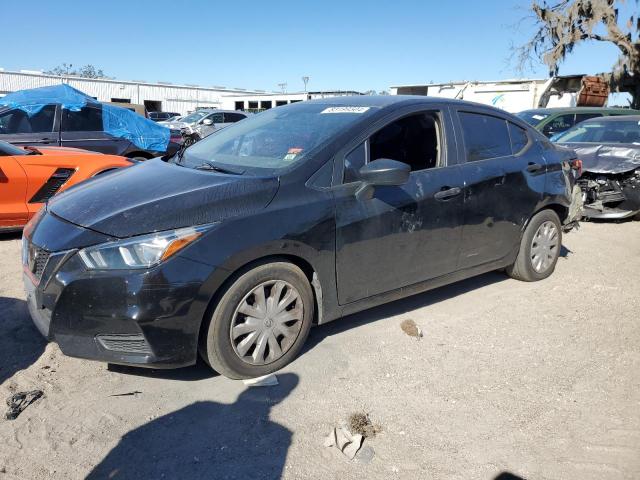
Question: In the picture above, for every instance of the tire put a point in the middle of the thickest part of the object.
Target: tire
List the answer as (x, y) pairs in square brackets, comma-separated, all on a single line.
[(190, 140), (636, 217), (526, 267), (226, 355)]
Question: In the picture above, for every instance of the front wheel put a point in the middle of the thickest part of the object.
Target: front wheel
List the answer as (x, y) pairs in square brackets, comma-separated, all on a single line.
[(260, 323), (539, 248)]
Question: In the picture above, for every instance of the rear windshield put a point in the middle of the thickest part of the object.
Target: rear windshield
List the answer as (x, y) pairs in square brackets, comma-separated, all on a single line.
[(276, 138), (532, 117), (602, 132)]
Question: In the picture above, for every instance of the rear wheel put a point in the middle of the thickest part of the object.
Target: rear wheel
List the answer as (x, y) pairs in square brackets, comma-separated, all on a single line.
[(261, 322), (539, 248)]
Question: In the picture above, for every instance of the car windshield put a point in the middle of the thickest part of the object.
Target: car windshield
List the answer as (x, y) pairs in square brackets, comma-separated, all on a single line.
[(194, 117), (532, 117), (274, 139), (6, 149), (619, 131)]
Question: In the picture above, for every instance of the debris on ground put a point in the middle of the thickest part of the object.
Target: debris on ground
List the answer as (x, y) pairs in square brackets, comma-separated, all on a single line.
[(360, 423), (18, 402), (128, 394), (410, 328), (345, 441), (365, 455), (264, 381)]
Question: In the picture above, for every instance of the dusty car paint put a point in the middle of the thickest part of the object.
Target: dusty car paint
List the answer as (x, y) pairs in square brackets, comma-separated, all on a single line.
[(356, 253)]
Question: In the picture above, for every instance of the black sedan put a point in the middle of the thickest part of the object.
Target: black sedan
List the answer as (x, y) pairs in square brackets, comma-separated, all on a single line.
[(302, 214)]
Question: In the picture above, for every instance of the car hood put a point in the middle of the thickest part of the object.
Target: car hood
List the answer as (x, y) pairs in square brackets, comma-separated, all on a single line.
[(607, 158), (155, 196)]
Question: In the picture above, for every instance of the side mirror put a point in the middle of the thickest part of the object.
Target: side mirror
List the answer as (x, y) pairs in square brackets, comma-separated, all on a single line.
[(382, 171), (207, 121)]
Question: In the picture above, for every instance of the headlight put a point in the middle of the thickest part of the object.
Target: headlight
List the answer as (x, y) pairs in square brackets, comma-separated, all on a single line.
[(144, 251)]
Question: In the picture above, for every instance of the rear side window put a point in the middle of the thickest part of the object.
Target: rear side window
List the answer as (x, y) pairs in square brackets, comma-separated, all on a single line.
[(216, 118), (519, 138), (18, 121), (485, 136), (87, 119)]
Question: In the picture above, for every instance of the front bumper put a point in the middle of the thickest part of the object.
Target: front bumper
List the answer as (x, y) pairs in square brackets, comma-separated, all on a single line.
[(135, 317)]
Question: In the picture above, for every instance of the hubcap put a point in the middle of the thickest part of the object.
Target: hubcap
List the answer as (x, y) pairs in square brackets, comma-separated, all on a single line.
[(544, 247), (267, 322)]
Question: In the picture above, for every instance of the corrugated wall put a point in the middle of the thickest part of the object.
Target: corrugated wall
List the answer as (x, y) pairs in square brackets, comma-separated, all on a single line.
[(181, 99)]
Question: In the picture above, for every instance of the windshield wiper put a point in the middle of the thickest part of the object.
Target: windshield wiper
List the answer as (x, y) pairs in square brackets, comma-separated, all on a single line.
[(209, 165)]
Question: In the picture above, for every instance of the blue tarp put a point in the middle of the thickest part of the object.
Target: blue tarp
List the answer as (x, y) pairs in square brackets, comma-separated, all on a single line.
[(116, 121)]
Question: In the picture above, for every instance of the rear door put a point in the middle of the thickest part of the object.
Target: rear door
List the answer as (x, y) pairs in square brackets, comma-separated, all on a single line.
[(84, 129), (13, 190), (37, 127), (504, 180), (405, 234)]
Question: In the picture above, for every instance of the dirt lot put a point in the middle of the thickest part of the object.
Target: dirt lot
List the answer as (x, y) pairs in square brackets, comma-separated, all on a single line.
[(539, 380)]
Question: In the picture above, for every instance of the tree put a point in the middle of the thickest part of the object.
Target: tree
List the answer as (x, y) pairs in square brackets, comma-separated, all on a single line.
[(66, 69), (562, 25)]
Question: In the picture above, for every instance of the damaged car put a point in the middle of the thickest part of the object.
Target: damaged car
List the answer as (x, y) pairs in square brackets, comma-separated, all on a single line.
[(300, 215), (609, 150)]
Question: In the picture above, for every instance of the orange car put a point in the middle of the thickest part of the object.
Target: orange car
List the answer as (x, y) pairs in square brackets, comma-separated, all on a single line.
[(30, 176)]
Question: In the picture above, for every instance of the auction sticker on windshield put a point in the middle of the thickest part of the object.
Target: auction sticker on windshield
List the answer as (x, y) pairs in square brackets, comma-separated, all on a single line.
[(292, 153), (345, 110)]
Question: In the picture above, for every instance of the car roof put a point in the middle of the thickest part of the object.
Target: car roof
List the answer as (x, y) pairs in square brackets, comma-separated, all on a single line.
[(617, 118), (578, 109)]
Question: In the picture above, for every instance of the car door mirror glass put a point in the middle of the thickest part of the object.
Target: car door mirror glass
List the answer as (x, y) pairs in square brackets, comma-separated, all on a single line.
[(207, 121)]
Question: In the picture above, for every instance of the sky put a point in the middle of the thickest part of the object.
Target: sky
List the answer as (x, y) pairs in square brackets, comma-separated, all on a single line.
[(347, 45)]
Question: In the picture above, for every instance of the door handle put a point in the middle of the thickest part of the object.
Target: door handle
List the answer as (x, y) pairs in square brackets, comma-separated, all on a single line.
[(446, 193), (533, 167)]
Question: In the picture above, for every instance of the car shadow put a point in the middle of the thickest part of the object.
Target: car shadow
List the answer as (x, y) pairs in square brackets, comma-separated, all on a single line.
[(207, 440), (199, 371), (508, 476), (399, 307), (21, 344), (565, 252)]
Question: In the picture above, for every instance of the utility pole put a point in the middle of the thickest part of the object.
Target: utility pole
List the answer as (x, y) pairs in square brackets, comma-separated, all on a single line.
[(283, 86), (305, 79)]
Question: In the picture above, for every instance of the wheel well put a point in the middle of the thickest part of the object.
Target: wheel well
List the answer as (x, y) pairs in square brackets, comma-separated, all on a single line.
[(146, 155), (559, 209), (301, 263)]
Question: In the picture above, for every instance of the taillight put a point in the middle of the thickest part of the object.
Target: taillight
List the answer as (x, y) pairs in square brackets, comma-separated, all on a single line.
[(576, 164)]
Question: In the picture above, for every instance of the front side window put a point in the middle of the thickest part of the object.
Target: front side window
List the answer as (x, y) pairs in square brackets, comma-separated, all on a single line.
[(276, 138), (485, 136), (354, 161), (215, 118), (559, 124), (414, 140), (17, 121), (87, 119), (233, 117)]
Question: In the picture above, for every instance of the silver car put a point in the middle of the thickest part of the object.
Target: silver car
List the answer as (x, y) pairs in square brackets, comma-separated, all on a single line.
[(202, 123)]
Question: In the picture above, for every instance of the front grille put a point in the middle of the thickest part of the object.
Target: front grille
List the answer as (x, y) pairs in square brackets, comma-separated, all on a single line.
[(50, 188), (36, 259), (125, 343)]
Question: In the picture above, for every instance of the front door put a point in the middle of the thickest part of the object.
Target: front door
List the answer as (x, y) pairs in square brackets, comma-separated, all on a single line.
[(504, 179), (84, 129), (404, 234)]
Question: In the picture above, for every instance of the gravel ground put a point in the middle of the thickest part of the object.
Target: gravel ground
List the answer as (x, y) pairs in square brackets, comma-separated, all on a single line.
[(541, 380)]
